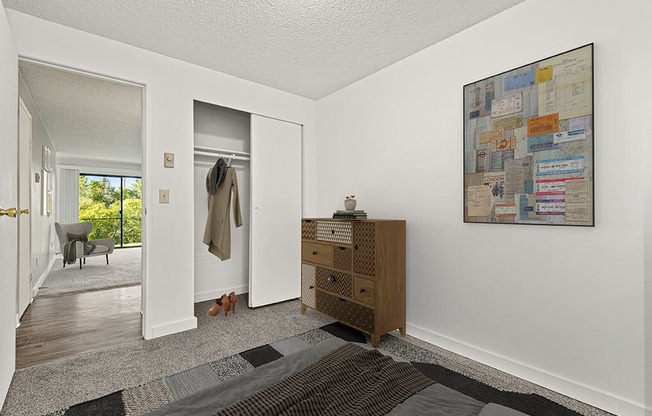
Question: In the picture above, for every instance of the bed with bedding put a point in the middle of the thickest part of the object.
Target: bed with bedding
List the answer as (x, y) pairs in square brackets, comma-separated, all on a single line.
[(334, 377), (333, 369)]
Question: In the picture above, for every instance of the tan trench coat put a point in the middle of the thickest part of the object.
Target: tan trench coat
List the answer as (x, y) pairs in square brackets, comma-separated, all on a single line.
[(217, 233)]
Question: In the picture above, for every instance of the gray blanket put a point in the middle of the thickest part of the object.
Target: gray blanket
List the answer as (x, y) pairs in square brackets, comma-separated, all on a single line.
[(70, 254), (436, 400), (350, 380)]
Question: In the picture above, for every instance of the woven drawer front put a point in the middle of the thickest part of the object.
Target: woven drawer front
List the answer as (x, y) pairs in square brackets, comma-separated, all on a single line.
[(336, 282), (342, 257), (364, 248), (334, 231), (308, 285), (347, 312), (308, 230)]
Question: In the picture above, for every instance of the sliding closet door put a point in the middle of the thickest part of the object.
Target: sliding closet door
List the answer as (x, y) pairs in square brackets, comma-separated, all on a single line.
[(275, 243)]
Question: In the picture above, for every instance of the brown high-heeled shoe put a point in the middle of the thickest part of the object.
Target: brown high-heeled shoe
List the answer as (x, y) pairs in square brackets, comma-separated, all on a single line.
[(218, 305), (233, 299)]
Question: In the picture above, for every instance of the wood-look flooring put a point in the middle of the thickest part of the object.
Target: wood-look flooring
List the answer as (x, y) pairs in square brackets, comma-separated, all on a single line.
[(57, 327)]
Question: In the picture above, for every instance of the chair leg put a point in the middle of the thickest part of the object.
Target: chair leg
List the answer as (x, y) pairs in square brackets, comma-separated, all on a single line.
[(107, 258), (64, 264), (84, 260), (80, 264)]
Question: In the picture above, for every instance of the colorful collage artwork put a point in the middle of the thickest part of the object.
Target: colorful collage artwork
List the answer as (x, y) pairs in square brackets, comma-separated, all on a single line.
[(528, 143)]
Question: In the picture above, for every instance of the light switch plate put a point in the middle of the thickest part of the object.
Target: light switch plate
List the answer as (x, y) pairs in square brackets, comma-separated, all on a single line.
[(168, 160), (164, 196)]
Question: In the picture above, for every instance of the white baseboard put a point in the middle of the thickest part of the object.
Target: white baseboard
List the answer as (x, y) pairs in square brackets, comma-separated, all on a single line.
[(41, 278), (214, 294), (17, 320), (578, 391), (162, 330)]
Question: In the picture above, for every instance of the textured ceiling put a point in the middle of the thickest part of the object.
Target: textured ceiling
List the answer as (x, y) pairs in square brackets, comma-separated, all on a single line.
[(88, 119), (307, 47)]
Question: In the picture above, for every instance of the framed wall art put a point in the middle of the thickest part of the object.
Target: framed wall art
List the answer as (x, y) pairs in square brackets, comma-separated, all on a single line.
[(45, 179), (528, 143), (46, 159)]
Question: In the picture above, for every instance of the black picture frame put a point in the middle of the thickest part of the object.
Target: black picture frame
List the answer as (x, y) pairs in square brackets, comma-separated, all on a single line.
[(528, 143)]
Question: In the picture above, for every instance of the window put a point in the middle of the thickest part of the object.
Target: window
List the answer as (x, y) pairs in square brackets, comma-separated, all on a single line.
[(113, 204)]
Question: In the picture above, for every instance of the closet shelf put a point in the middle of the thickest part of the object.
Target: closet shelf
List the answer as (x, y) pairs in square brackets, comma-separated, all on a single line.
[(213, 152)]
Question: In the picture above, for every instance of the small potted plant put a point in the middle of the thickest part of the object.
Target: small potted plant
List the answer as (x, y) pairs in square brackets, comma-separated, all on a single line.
[(350, 202)]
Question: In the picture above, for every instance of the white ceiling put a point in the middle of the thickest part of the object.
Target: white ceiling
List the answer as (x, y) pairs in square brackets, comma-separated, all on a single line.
[(307, 47), (88, 119)]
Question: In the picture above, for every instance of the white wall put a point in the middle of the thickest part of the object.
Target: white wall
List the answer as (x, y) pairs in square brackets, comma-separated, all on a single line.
[(647, 208), (8, 199), (227, 129), (560, 306), (170, 88), (44, 238)]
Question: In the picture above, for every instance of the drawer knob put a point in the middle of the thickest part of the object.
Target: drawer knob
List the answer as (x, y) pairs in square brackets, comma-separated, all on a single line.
[(331, 279), (332, 231), (311, 287), (355, 247), (362, 290), (314, 253)]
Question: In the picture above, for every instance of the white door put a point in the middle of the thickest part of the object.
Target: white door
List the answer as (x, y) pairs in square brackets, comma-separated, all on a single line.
[(275, 232), (8, 199), (24, 193)]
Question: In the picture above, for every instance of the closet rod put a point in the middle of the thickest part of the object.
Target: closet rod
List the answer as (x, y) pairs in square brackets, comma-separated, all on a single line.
[(226, 155), (221, 151)]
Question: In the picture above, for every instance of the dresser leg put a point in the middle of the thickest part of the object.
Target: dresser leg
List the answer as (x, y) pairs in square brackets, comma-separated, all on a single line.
[(402, 330), (375, 340), (303, 308)]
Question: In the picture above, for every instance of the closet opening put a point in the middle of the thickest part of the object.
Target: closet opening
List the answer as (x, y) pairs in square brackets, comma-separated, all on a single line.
[(264, 154), (221, 132)]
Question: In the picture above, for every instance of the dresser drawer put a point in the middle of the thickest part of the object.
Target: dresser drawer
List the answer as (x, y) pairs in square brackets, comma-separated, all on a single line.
[(308, 229), (363, 290), (336, 282), (334, 231), (308, 285), (347, 312), (317, 253), (342, 257)]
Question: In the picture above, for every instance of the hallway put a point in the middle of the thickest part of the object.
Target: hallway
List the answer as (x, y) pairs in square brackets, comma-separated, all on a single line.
[(62, 326)]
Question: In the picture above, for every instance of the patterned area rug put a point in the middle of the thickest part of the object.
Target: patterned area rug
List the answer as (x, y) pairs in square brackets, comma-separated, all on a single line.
[(150, 396), (124, 269)]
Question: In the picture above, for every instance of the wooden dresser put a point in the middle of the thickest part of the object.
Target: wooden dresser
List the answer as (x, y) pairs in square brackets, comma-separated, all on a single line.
[(354, 271)]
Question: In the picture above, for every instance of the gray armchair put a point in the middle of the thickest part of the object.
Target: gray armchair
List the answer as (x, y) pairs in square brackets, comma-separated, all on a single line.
[(68, 232)]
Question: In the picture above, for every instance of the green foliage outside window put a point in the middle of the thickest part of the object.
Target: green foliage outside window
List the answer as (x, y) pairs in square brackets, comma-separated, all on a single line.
[(99, 203)]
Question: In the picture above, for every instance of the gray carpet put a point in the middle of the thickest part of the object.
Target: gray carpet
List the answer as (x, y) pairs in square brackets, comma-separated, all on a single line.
[(59, 384), (123, 270), (140, 400), (147, 369)]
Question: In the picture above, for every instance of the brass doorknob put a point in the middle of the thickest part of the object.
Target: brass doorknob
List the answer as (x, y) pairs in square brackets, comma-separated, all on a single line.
[(24, 211), (10, 212)]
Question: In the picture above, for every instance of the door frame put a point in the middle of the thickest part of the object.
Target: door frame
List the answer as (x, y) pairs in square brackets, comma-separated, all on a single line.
[(143, 136), (24, 220)]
